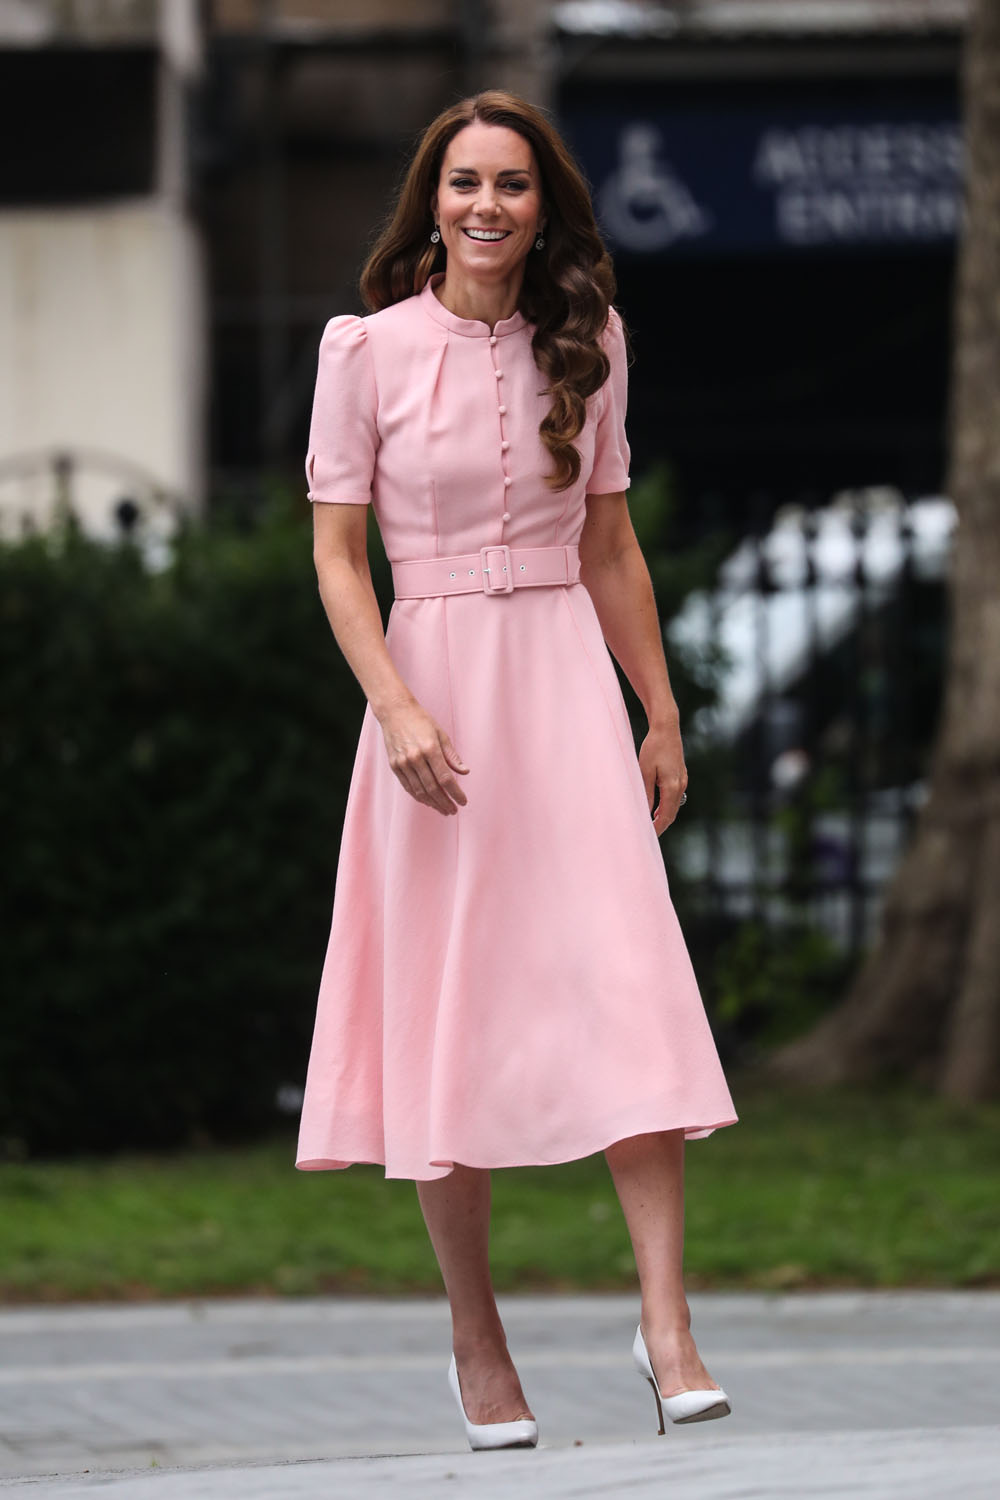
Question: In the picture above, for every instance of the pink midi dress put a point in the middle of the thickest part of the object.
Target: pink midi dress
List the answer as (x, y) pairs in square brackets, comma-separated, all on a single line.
[(507, 985)]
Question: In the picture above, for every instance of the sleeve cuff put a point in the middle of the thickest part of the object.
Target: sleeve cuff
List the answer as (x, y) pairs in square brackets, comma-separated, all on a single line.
[(608, 484)]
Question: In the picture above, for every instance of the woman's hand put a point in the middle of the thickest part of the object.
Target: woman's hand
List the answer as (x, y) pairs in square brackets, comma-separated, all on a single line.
[(661, 761), (423, 758)]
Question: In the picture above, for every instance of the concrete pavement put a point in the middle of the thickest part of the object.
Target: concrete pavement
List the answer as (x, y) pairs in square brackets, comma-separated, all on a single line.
[(883, 1394), (841, 1466)]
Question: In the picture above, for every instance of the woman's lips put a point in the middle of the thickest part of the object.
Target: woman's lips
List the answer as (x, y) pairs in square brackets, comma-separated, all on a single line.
[(495, 237)]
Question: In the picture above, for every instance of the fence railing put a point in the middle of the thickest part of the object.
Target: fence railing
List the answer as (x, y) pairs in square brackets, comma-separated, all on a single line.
[(825, 638), (109, 495)]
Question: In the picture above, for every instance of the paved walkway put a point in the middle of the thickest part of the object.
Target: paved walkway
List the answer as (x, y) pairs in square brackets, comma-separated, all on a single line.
[(892, 1396)]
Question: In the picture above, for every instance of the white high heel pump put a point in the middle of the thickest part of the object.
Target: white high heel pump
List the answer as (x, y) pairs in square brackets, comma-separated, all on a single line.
[(686, 1406), (520, 1434)]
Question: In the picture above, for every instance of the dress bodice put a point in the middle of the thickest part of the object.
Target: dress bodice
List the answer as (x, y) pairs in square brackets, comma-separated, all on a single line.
[(434, 419)]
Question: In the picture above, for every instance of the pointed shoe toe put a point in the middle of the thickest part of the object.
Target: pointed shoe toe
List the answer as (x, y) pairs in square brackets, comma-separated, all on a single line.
[(696, 1406)]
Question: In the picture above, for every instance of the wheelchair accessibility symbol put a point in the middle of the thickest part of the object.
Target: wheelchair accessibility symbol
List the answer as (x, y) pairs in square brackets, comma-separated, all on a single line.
[(643, 204)]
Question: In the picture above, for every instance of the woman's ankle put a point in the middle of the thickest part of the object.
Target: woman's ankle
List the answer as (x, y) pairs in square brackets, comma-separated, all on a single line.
[(665, 1319), (472, 1341)]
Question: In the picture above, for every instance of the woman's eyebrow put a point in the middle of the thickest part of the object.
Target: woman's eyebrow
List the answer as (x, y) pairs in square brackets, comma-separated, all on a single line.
[(507, 171)]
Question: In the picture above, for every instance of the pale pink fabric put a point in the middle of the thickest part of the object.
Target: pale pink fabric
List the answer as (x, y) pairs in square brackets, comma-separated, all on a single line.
[(509, 985)]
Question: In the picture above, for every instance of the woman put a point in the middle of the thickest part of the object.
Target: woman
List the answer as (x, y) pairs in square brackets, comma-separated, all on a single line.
[(506, 983)]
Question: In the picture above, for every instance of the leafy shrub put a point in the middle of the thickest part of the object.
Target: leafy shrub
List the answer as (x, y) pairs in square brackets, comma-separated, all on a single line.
[(175, 752), (770, 983)]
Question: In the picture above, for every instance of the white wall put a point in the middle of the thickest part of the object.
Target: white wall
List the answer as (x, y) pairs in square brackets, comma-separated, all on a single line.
[(102, 350)]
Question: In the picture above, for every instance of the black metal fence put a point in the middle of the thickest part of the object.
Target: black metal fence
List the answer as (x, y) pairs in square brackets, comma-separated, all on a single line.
[(821, 645)]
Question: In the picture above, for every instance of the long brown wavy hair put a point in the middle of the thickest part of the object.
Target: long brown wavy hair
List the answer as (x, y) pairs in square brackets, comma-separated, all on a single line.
[(568, 286)]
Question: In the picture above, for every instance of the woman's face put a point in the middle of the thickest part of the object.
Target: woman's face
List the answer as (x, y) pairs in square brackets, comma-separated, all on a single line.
[(488, 203)]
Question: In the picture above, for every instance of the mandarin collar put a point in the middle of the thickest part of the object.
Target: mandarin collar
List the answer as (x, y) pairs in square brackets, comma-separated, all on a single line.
[(470, 327)]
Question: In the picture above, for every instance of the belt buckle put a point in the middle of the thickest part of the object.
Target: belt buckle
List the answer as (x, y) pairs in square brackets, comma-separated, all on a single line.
[(501, 570)]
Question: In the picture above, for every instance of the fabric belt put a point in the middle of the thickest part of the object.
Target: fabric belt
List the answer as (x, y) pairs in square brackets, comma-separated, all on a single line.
[(491, 570)]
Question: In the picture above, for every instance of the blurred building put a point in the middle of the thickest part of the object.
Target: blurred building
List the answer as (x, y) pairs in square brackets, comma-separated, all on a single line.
[(779, 181), (103, 325)]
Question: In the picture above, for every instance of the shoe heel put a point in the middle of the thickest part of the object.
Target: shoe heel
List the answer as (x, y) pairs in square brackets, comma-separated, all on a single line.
[(659, 1406)]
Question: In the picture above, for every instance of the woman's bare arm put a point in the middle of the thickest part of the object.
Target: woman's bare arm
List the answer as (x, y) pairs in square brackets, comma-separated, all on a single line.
[(420, 752), (614, 572)]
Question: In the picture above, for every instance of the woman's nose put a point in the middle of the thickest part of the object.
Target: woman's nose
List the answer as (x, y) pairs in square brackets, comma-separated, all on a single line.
[(486, 202)]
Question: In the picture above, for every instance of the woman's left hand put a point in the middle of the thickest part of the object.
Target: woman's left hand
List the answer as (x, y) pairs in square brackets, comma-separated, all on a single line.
[(661, 761)]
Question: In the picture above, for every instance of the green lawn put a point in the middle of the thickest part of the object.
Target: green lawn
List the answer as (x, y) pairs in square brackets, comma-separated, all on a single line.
[(834, 1189)]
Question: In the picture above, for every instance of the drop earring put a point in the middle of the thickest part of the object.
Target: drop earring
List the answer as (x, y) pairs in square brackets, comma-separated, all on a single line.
[(540, 242), (435, 235)]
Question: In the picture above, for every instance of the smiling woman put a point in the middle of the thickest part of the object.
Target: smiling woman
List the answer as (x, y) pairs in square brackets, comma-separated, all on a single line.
[(506, 982)]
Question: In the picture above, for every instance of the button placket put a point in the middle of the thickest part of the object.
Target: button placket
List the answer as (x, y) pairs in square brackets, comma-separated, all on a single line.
[(504, 443)]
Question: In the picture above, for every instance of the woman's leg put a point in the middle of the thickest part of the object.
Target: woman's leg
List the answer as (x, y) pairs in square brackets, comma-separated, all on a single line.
[(456, 1211), (648, 1173)]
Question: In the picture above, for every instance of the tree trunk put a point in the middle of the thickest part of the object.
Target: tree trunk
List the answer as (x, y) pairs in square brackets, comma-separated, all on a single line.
[(926, 1003)]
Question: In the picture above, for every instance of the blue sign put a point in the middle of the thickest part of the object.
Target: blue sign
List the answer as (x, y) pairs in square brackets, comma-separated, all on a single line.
[(698, 182)]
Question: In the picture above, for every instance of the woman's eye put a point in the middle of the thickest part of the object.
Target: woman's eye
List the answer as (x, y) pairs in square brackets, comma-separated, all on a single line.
[(470, 182)]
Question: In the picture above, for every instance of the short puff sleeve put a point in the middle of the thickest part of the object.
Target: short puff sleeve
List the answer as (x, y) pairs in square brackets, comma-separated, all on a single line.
[(343, 436), (609, 475)]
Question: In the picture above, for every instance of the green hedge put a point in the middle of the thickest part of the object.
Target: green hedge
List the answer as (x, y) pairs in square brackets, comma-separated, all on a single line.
[(176, 750)]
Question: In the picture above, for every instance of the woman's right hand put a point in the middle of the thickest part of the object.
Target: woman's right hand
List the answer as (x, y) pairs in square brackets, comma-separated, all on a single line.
[(420, 753), (423, 758)]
